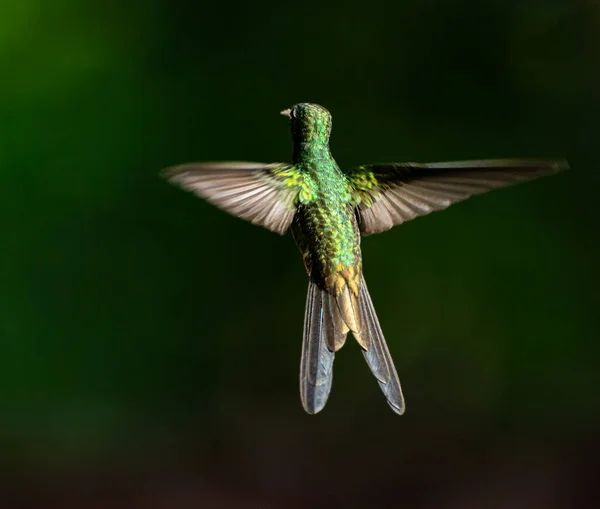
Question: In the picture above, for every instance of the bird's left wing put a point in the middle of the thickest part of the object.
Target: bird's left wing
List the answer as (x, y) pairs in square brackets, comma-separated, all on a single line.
[(264, 194), (390, 194)]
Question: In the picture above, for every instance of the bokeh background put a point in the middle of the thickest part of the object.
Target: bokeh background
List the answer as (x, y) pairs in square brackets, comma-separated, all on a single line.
[(149, 343)]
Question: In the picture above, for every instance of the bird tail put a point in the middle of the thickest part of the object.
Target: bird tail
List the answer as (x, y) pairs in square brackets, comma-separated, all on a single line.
[(375, 351), (325, 332)]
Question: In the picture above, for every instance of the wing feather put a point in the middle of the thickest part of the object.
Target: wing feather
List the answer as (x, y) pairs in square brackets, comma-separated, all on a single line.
[(264, 194), (391, 194)]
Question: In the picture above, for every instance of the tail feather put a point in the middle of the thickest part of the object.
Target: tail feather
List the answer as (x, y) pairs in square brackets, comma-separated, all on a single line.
[(348, 307), (336, 340), (321, 339), (377, 355), (325, 331)]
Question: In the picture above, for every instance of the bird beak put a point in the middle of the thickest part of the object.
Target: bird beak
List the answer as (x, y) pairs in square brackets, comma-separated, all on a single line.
[(287, 113)]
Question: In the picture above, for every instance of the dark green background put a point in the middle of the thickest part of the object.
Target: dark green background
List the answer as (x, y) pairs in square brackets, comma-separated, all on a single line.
[(149, 343)]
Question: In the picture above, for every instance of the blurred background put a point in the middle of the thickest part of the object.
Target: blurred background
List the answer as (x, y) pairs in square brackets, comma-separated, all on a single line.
[(150, 344)]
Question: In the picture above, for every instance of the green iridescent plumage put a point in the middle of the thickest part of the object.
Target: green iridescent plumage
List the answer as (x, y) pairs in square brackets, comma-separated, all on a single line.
[(327, 211), (328, 218)]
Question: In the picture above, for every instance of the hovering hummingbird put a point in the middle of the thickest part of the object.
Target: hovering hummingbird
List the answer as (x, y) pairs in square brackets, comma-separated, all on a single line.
[(328, 210)]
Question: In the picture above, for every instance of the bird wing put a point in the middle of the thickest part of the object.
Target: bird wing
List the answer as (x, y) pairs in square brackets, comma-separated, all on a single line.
[(390, 194), (264, 194)]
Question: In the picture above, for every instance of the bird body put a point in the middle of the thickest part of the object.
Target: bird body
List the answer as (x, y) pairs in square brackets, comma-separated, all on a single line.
[(325, 227), (328, 211), (326, 222)]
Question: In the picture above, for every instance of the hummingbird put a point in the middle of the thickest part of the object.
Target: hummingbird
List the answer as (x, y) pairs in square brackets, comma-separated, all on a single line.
[(328, 211)]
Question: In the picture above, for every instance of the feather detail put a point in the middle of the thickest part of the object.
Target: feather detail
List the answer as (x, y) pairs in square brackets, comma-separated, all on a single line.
[(377, 354), (344, 287), (335, 341), (264, 194), (347, 304), (391, 194), (321, 339)]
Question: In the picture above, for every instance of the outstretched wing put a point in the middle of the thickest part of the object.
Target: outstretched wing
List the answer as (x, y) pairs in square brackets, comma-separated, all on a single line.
[(264, 194), (390, 194)]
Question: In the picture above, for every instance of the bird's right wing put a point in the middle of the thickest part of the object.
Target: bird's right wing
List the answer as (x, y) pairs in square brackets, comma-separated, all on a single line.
[(264, 194), (390, 194)]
